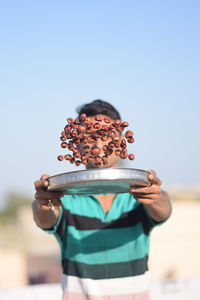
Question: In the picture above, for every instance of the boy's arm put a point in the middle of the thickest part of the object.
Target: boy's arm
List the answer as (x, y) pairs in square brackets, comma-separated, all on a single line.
[(156, 202), (43, 214)]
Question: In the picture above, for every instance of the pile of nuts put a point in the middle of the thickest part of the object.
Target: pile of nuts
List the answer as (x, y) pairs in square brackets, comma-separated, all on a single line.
[(82, 135)]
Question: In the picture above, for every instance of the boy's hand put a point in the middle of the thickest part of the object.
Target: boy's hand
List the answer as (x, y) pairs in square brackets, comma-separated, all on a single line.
[(46, 199), (147, 195)]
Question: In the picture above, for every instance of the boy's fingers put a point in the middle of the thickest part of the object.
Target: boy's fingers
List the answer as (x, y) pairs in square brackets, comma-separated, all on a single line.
[(42, 184), (153, 178), (48, 195), (44, 177), (151, 175), (54, 202), (153, 189), (146, 196)]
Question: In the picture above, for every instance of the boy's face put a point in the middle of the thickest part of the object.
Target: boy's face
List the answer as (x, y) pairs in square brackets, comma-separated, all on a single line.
[(112, 159)]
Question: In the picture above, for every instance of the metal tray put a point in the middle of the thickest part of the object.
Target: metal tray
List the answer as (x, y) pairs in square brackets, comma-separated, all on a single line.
[(98, 181)]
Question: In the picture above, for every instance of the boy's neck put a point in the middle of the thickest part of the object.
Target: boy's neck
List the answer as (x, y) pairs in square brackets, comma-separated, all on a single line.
[(106, 201)]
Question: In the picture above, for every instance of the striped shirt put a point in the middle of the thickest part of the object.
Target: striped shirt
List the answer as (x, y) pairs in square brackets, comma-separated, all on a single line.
[(104, 254)]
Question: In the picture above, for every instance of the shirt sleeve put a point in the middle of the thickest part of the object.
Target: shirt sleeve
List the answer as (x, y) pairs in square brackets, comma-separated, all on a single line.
[(151, 220)]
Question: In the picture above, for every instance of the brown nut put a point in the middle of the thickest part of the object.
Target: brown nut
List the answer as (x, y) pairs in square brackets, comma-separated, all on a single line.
[(63, 138), (74, 125), (97, 126), (124, 151), (72, 160), (99, 118), (84, 141), (68, 135), (67, 128), (125, 124), (77, 163), (84, 161), (86, 149), (82, 117), (77, 155), (117, 143), (123, 143), (104, 138), (83, 156), (97, 165), (112, 126), (71, 148), (111, 144), (77, 141), (86, 135), (91, 140), (107, 120), (89, 130), (108, 152), (130, 140), (105, 148), (105, 160), (68, 157), (117, 152), (119, 129), (71, 143), (112, 134), (95, 150), (97, 159), (90, 159), (75, 150), (77, 121), (81, 128), (123, 155), (64, 145), (96, 135), (128, 134), (60, 157), (74, 132), (70, 120), (131, 156), (63, 133), (117, 122), (105, 127)]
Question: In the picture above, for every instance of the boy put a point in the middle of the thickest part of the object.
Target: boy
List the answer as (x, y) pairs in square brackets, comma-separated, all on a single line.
[(104, 239)]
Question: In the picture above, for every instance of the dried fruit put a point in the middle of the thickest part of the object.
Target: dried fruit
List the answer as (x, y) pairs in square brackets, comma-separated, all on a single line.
[(60, 157), (131, 156), (98, 118), (128, 134), (64, 145), (82, 136)]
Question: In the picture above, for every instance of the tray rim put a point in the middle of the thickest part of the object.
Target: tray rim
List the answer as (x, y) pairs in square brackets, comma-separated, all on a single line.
[(64, 186), (95, 169)]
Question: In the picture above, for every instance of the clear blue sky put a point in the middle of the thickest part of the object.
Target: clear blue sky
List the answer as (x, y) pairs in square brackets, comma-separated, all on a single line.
[(141, 56)]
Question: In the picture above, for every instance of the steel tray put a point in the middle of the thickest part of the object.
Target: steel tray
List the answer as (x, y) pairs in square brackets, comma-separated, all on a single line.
[(98, 181)]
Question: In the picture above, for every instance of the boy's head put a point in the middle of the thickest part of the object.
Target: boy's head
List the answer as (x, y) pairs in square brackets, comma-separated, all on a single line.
[(99, 107)]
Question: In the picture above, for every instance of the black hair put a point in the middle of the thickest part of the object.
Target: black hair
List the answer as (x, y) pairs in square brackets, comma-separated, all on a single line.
[(99, 107)]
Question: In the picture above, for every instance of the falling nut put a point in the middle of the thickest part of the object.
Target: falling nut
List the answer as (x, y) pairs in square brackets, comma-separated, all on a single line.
[(64, 145), (60, 157), (131, 156), (82, 136), (128, 134)]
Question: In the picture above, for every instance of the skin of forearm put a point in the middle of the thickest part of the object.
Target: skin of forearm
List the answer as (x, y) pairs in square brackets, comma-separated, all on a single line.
[(44, 218), (160, 209)]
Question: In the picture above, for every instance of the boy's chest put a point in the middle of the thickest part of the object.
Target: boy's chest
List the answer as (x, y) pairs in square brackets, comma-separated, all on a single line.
[(97, 208), (106, 201)]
